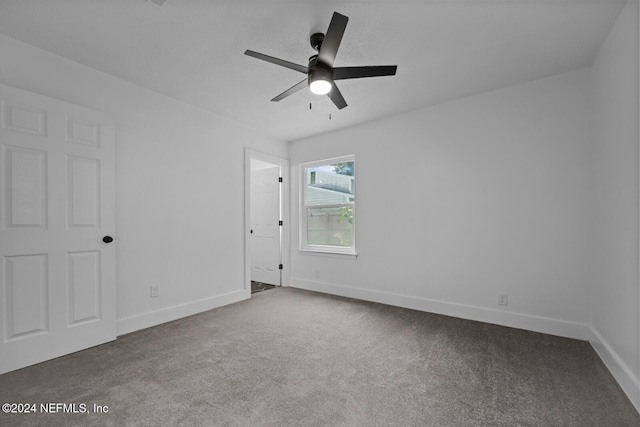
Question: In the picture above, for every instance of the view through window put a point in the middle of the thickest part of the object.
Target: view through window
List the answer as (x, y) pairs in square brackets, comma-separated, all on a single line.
[(327, 216)]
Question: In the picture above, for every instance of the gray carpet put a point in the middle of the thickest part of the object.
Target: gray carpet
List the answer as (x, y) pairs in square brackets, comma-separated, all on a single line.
[(289, 357)]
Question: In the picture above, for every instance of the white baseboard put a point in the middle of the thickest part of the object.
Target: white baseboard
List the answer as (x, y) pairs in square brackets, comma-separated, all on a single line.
[(629, 383), (511, 319), (167, 314)]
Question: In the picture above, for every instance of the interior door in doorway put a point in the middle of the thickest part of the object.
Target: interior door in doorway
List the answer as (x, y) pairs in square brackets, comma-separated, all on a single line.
[(265, 217), (57, 219)]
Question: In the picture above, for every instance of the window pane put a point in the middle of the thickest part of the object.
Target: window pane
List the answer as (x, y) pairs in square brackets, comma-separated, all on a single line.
[(330, 184), (330, 226)]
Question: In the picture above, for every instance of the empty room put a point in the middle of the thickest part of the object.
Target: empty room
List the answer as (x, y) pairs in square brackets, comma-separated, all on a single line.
[(181, 242)]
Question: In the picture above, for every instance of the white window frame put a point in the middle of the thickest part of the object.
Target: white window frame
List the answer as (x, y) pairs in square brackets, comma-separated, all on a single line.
[(324, 249)]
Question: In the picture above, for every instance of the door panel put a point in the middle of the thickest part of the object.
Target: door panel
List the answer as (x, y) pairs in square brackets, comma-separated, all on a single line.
[(57, 277), (84, 192), (26, 308), (84, 286), (20, 118), (25, 187)]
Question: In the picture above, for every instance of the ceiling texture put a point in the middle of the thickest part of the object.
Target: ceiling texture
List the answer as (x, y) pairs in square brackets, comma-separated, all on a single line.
[(193, 50)]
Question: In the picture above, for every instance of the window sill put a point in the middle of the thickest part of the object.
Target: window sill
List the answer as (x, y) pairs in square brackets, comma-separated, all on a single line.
[(328, 253)]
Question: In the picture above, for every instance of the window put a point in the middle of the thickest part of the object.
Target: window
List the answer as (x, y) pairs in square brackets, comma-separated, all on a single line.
[(328, 203)]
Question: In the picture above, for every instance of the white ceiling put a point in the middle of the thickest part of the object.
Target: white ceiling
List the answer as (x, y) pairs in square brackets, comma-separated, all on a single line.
[(192, 50)]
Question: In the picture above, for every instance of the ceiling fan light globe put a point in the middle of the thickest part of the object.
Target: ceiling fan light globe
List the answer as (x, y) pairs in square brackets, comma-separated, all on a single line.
[(320, 86)]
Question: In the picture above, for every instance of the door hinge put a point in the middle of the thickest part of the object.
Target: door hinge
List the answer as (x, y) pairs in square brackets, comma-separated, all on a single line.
[(280, 223), (279, 179), (280, 267)]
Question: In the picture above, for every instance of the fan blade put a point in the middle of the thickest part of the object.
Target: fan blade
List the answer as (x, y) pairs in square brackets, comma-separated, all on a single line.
[(281, 62), (293, 89), (331, 42), (337, 97), (343, 73)]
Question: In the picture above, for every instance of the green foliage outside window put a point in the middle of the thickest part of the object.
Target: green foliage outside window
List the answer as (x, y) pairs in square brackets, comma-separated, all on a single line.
[(346, 168)]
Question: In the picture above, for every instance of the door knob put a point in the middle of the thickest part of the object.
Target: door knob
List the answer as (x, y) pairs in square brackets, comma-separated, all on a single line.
[(107, 239)]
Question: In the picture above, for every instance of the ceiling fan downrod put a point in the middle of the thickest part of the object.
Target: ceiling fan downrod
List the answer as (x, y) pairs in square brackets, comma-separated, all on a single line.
[(316, 40)]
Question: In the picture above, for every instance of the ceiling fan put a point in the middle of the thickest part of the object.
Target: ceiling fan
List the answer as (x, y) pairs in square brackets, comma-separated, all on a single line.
[(321, 74)]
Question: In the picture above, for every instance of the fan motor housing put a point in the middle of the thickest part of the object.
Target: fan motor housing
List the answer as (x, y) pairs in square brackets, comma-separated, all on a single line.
[(314, 65), (320, 73)]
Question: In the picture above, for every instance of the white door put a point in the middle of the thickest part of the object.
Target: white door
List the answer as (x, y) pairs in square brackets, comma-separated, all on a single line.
[(265, 216), (57, 196)]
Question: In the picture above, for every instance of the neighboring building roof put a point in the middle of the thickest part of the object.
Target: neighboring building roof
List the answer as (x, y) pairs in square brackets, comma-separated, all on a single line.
[(332, 187)]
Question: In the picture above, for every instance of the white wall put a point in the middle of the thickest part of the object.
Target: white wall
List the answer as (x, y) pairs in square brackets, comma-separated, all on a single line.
[(614, 298), (491, 196), (180, 187)]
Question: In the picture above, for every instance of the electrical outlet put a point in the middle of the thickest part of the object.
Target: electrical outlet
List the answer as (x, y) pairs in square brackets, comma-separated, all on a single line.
[(503, 299), (155, 291)]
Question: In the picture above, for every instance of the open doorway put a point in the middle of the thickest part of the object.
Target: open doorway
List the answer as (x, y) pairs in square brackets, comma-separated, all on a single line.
[(266, 226), (265, 218)]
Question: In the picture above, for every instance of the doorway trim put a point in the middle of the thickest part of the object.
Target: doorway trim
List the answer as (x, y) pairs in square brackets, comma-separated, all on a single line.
[(250, 154)]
